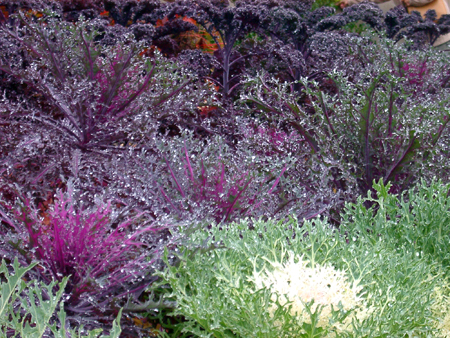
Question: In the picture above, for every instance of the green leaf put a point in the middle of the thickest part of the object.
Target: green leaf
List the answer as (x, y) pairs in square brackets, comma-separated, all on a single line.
[(8, 289), (41, 310), (32, 318)]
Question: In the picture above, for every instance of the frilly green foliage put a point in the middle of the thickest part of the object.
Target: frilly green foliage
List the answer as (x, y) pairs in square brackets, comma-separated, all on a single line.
[(27, 309), (417, 221), (394, 253)]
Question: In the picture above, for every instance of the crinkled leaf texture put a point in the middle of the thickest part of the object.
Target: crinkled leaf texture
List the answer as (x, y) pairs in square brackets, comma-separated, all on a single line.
[(99, 255), (404, 287)]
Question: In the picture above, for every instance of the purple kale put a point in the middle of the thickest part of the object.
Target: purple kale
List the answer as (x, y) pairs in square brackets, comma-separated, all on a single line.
[(385, 120), (107, 261), (197, 61), (61, 62), (66, 92), (368, 12), (423, 31), (309, 32), (225, 24)]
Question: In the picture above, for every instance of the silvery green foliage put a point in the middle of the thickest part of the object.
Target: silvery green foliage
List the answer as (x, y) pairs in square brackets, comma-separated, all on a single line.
[(385, 119), (418, 220), (28, 309), (213, 287)]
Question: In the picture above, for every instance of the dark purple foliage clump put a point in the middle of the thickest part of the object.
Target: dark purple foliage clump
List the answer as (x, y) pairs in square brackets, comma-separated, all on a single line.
[(67, 91), (225, 24), (108, 261), (424, 31), (384, 120)]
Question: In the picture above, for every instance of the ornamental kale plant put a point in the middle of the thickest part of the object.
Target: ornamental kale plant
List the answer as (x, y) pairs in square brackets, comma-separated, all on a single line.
[(323, 289), (415, 222), (229, 191), (417, 219), (280, 279), (424, 31), (312, 184), (384, 121), (199, 181), (311, 40), (93, 92), (225, 22), (70, 93), (108, 262)]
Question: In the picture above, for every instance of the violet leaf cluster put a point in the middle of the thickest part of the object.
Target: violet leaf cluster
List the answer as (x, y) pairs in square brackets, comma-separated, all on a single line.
[(384, 120)]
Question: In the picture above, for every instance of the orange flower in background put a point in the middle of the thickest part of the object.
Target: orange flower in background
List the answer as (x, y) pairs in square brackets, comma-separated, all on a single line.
[(150, 51), (153, 330), (187, 19), (4, 11), (212, 85), (206, 110), (161, 22), (32, 12), (141, 322), (194, 40)]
